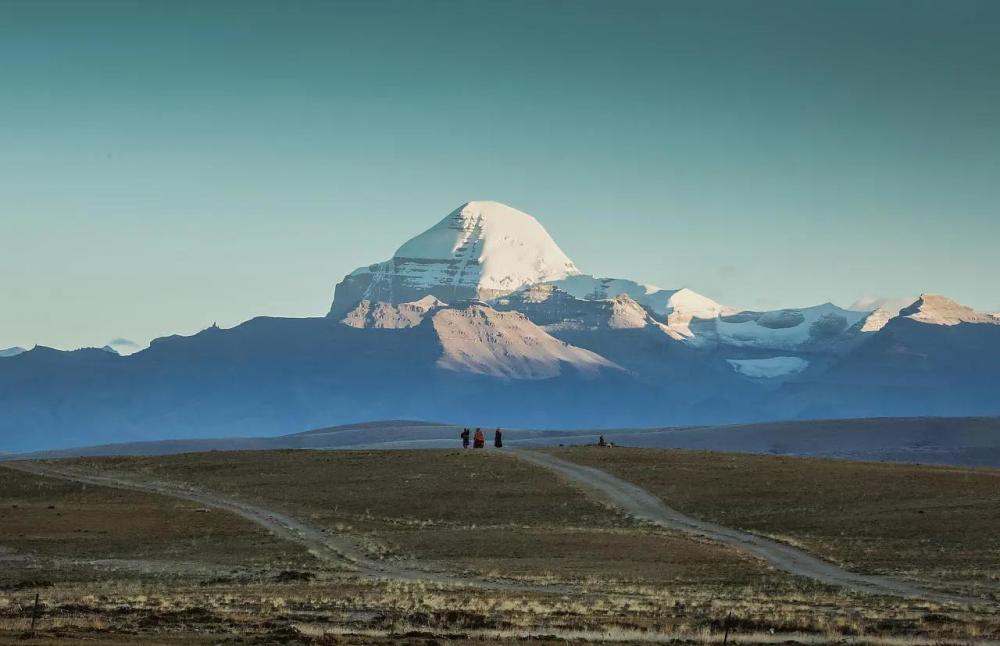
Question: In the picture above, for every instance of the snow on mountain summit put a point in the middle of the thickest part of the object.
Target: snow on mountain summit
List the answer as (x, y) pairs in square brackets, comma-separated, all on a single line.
[(498, 248), (480, 250), (659, 301)]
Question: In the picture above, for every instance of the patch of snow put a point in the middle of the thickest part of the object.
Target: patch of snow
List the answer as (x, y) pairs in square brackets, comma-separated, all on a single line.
[(427, 303), (685, 306), (660, 301), (786, 329), (769, 368)]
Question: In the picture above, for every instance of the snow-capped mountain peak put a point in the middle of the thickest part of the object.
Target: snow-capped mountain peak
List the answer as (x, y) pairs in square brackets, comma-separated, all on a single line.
[(497, 248), (479, 251)]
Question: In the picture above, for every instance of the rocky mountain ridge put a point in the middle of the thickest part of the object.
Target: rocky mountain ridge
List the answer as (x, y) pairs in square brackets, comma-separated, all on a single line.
[(484, 317)]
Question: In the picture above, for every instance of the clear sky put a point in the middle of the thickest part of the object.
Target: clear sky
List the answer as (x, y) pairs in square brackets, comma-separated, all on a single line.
[(165, 165)]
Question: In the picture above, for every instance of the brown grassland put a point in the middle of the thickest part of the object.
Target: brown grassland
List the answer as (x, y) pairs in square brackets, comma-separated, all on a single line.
[(476, 511), (117, 567), (78, 532), (938, 525)]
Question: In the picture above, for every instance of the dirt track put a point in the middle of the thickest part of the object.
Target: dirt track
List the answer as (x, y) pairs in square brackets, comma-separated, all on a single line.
[(338, 551), (342, 553), (643, 505)]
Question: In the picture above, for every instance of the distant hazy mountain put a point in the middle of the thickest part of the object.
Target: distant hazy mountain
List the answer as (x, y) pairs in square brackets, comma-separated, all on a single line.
[(936, 358), (482, 317), (269, 375), (10, 352)]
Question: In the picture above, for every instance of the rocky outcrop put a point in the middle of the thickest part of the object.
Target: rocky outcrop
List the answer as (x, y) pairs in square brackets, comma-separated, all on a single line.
[(481, 340), (388, 316)]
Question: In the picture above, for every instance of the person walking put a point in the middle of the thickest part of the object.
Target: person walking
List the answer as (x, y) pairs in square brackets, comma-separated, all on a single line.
[(465, 438), (478, 440), (498, 439)]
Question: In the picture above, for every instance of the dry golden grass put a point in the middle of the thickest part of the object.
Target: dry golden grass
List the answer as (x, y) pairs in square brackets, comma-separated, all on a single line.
[(415, 488), (933, 523), (378, 612), (53, 529), (475, 511), (620, 582), (607, 557)]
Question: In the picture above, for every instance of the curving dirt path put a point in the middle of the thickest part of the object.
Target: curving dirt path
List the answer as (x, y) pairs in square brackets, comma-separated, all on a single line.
[(339, 551), (342, 552), (643, 505)]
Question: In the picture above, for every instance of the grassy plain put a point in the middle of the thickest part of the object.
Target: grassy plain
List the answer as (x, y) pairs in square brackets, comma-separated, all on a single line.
[(606, 578), (936, 524), (476, 511), (55, 531)]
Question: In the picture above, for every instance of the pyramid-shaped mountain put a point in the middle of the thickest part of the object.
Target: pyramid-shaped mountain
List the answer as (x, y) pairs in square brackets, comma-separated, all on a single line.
[(484, 319), (479, 251)]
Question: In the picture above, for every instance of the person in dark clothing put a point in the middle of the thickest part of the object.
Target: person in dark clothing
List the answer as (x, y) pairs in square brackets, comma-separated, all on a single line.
[(465, 438), (602, 442), (498, 439), (478, 440)]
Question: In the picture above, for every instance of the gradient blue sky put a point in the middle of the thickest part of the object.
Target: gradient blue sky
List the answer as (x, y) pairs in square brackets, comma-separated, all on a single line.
[(164, 165)]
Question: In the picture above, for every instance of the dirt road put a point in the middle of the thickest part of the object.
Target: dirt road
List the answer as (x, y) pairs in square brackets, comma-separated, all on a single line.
[(643, 505), (330, 549), (342, 552), (339, 551)]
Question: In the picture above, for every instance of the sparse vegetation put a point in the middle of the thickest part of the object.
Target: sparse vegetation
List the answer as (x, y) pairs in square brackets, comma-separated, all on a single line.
[(344, 611), (54, 530), (477, 511), (940, 525), (405, 488), (613, 580)]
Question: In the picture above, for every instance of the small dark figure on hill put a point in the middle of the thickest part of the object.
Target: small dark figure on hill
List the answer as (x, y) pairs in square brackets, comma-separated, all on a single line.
[(465, 438)]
